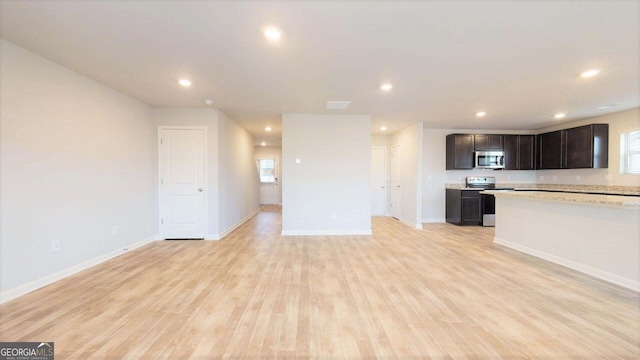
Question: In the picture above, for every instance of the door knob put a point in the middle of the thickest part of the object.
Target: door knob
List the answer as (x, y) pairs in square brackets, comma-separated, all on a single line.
[(200, 189)]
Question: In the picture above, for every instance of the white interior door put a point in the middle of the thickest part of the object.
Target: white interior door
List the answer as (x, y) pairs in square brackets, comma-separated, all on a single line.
[(396, 190), (268, 172), (378, 180), (182, 184)]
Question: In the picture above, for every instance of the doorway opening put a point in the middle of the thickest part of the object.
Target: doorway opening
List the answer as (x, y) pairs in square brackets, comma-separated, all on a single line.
[(268, 171)]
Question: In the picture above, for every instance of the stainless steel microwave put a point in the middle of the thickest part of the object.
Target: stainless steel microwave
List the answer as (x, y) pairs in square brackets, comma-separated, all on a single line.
[(489, 160)]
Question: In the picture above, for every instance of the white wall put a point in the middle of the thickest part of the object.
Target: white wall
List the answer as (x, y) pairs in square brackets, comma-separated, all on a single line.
[(333, 178), (618, 122), (76, 158), (435, 176), (273, 151), (411, 144), (198, 117), (239, 191)]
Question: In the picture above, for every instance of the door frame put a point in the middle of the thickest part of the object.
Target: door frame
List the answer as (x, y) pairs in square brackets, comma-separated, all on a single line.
[(386, 177), (278, 181), (204, 130), (391, 181)]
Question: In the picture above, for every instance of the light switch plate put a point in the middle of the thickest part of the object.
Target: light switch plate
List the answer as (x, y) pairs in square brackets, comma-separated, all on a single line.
[(298, 161)]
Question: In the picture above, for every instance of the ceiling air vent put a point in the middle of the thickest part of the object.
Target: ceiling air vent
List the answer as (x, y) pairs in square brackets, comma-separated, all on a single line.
[(337, 105)]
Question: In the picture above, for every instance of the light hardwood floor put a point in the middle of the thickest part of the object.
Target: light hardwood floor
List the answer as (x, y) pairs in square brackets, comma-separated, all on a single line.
[(441, 292)]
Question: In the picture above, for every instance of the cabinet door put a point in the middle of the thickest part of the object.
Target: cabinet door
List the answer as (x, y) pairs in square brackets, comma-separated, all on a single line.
[(481, 142), (484, 142), (452, 210), (578, 147), (526, 152), (511, 152), (550, 150), (471, 210), (463, 158), (495, 142)]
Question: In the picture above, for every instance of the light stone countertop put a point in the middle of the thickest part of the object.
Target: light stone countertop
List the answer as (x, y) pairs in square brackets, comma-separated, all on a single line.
[(604, 189), (631, 202)]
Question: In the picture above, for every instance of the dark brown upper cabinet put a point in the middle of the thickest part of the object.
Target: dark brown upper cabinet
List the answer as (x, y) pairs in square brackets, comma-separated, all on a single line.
[(526, 152), (519, 152), (586, 147), (484, 142), (459, 151), (575, 148), (550, 150)]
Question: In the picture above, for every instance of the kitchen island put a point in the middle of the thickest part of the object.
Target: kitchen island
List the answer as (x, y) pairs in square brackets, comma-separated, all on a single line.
[(595, 234)]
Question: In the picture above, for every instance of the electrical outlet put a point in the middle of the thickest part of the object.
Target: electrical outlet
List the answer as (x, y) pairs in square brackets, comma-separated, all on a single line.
[(577, 178), (608, 177), (541, 177), (114, 230), (554, 178), (55, 246), (508, 177)]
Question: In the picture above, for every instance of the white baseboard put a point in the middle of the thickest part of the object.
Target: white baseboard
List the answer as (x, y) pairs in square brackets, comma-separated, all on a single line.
[(387, 214), (49, 279), (407, 222), (433, 220), (325, 232), (212, 237), (236, 225), (600, 274)]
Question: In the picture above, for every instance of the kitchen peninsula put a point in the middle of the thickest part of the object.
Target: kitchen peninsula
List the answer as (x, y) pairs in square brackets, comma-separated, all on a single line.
[(597, 234)]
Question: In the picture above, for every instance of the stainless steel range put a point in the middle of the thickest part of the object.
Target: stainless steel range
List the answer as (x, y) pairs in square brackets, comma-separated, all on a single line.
[(488, 201), (481, 182)]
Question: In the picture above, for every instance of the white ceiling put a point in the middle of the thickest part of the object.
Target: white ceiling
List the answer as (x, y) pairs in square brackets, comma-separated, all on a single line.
[(518, 60)]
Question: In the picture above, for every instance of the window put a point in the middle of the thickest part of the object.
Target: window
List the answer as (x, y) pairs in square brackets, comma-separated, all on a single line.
[(630, 152), (267, 170)]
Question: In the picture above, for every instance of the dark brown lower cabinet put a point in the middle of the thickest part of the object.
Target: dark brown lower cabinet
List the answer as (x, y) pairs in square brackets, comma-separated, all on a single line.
[(463, 207)]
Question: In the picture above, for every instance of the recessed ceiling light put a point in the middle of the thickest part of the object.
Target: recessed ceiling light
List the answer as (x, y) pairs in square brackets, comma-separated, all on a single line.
[(590, 73), (481, 114), (272, 33), (559, 115), (606, 106), (208, 102), (268, 128), (383, 128), (386, 87), (264, 143), (184, 82)]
